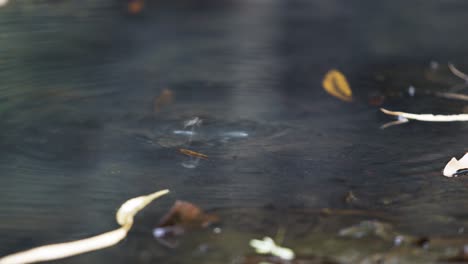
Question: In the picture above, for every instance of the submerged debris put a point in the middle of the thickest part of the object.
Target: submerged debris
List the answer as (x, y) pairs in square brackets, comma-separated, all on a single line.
[(369, 228), (461, 257), (165, 98), (335, 83), (124, 218), (268, 246), (350, 198), (192, 163), (258, 259), (411, 91), (135, 6), (196, 121), (456, 167)]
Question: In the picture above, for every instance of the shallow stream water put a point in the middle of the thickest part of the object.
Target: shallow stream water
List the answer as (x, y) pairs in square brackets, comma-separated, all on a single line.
[(80, 133)]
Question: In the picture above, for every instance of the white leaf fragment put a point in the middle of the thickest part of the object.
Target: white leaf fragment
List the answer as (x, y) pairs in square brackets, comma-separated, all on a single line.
[(454, 165), (268, 246)]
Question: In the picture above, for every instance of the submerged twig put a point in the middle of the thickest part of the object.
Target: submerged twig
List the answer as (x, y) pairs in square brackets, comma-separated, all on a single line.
[(457, 72), (456, 96), (428, 117), (124, 217), (401, 120), (192, 153)]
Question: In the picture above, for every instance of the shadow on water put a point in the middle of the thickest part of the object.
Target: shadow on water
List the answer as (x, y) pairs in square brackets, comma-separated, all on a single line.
[(79, 134)]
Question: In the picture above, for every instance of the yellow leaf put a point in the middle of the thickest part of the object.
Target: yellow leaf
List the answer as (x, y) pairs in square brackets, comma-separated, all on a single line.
[(335, 83)]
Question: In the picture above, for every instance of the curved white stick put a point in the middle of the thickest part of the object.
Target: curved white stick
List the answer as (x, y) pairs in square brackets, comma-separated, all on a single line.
[(124, 217)]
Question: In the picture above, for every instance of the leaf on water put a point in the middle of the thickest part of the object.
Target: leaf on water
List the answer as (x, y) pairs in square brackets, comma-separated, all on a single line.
[(335, 83), (454, 166), (124, 217)]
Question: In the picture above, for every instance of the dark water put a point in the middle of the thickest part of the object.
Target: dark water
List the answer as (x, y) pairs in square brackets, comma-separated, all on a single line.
[(79, 134)]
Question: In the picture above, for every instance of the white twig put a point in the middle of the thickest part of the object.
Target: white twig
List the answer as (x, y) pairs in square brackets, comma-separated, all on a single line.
[(428, 117), (124, 217)]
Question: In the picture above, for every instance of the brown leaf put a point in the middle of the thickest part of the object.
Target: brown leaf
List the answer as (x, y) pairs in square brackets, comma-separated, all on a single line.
[(187, 215), (165, 98), (335, 83), (135, 6)]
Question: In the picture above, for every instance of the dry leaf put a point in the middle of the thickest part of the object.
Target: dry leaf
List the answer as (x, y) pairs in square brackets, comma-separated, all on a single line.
[(335, 84), (454, 165), (124, 217)]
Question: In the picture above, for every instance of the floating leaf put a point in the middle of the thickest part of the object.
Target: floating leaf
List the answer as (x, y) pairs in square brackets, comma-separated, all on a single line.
[(335, 84), (124, 217), (454, 166)]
